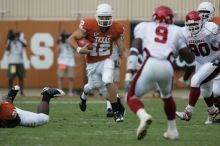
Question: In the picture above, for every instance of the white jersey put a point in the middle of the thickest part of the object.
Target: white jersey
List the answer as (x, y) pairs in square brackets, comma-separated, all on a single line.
[(160, 40), (16, 52), (65, 55), (204, 45)]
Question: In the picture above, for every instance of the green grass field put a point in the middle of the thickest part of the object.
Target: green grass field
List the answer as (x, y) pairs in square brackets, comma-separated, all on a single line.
[(69, 126)]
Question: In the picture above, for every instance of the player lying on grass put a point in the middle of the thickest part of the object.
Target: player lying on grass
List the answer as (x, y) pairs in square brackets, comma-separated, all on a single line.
[(11, 116)]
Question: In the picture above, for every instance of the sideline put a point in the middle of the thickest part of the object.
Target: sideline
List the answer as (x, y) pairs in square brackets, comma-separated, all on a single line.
[(57, 102)]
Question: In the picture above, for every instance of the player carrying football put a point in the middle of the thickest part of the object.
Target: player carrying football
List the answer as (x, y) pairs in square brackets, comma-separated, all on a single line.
[(101, 32)]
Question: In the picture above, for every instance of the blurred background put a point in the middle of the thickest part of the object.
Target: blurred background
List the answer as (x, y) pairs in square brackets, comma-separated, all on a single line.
[(40, 23)]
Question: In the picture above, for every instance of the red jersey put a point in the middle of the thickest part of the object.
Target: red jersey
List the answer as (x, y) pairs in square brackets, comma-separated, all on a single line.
[(102, 42)]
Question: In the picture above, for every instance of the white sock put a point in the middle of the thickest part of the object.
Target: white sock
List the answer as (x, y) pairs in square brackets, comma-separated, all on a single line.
[(189, 108), (108, 104), (83, 96), (142, 114), (172, 124)]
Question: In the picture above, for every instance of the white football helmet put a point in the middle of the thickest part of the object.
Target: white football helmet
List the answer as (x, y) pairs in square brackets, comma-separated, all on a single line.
[(207, 11), (104, 15)]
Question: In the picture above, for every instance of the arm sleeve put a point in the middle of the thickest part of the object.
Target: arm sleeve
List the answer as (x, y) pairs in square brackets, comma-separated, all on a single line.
[(138, 32), (120, 30), (132, 62), (83, 25), (216, 34), (181, 41)]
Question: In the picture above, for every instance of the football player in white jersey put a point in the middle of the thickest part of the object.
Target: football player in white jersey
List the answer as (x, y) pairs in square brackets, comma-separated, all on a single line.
[(11, 116), (160, 39), (203, 39), (207, 12)]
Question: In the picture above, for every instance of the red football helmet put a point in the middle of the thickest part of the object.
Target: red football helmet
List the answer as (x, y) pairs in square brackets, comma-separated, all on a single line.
[(163, 14), (193, 22)]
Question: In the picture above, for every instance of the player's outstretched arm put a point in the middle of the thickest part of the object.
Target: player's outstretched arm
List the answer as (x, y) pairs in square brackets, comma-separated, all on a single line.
[(132, 61)]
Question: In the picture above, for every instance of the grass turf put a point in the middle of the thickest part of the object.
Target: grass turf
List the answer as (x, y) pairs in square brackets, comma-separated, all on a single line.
[(69, 126)]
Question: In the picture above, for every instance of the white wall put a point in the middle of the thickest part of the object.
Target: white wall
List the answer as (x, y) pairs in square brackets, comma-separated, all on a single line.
[(75, 9)]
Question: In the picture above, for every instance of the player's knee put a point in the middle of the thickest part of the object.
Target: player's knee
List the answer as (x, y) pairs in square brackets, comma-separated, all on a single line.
[(206, 93), (103, 91), (87, 88), (107, 80), (98, 84), (42, 119), (196, 81)]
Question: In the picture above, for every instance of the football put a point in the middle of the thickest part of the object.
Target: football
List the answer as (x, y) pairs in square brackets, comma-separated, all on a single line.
[(83, 42)]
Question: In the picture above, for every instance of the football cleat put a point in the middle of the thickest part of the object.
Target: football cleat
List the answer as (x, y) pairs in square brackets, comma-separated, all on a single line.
[(82, 104), (12, 93), (118, 117), (171, 134), (143, 127), (184, 115), (209, 120), (109, 113), (52, 92), (212, 116)]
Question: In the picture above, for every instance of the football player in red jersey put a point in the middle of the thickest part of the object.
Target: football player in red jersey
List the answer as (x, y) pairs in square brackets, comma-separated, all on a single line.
[(159, 40), (101, 32)]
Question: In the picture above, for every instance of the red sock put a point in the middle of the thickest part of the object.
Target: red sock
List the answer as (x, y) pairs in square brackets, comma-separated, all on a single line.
[(135, 105), (194, 95), (170, 108)]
